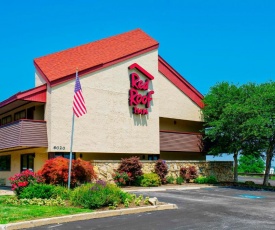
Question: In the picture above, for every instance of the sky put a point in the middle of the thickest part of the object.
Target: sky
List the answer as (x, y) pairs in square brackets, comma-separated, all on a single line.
[(205, 41)]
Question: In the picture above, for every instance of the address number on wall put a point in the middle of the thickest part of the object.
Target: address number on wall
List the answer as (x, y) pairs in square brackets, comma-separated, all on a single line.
[(59, 147)]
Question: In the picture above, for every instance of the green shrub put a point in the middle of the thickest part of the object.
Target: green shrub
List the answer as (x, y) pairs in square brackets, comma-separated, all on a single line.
[(170, 179), (43, 191), (98, 195), (200, 180), (249, 182), (206, 180), (212, 180), (161, 169), (137, 181), (150, 180), (62, 192), (179, 180), (126, 197)]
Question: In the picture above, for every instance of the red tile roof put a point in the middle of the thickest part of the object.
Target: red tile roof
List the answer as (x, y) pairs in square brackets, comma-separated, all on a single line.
[(37, 94), (94, 55)]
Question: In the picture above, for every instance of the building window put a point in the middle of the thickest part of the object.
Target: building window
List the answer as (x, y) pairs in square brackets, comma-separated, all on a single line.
[(5, 163), (65, 155), (6, 120), (153, 157), (27, 162), (20, 115), (30, 113)]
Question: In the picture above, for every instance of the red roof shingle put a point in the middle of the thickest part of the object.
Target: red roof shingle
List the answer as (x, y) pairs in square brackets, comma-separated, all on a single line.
[(62, 64)]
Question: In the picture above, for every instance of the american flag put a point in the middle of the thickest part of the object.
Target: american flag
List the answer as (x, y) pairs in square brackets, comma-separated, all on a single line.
[(79, 107)]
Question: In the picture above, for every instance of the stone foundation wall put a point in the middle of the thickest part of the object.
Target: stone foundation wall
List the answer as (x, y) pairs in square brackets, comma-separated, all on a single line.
[(222, 170)]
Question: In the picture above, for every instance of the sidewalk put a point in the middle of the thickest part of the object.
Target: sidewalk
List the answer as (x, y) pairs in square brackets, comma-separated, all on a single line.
[(6, 191)]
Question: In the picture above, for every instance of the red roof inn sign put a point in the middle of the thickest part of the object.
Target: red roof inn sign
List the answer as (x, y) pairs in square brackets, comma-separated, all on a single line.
[(137, 84)]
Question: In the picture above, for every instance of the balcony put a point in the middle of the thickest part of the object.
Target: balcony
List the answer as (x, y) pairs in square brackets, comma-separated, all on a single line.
[(180, 141), (23, 134)]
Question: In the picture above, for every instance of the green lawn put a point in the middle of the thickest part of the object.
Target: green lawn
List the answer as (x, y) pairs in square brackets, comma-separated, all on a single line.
[(15, 213)]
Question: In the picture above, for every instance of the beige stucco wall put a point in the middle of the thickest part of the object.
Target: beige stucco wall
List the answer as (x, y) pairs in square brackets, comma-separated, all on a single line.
[(48, 116), (41, 156), (109, 126), (179, 125), (174, 103), (39, 80), (107, 156)]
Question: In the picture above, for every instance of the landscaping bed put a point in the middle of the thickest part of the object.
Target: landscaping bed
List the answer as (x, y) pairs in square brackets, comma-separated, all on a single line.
[(14, 213), (13, 209)]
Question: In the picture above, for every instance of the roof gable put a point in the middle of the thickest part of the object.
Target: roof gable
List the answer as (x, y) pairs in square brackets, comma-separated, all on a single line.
[(172, 75), (37, 94), (93, 56)]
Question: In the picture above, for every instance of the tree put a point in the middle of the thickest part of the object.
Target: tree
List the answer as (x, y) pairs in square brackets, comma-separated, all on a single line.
[(264, 102), (251, 164), (230, 121)]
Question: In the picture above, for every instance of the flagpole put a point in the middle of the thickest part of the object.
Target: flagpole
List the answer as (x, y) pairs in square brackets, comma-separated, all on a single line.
[(71, 148), (71, 154)]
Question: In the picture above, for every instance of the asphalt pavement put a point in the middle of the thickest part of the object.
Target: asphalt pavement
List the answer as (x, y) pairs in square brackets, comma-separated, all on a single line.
[(212, 208), (257, 180)]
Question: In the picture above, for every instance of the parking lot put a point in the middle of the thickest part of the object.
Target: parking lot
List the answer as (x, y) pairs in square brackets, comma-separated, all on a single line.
[(205, 208)]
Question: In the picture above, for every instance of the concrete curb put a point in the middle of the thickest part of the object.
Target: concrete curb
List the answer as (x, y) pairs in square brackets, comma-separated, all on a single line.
[(85, 216)]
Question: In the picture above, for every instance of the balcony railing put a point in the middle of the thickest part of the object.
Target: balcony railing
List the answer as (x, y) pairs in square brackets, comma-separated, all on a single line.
[(23, 133), (179, 141)]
